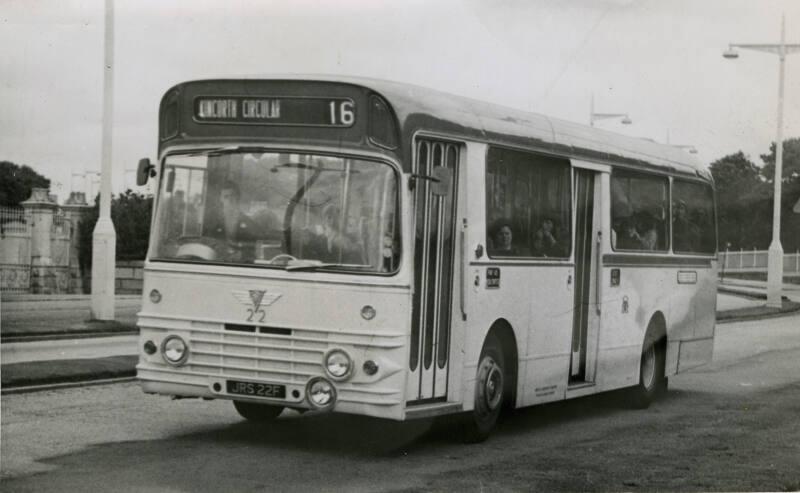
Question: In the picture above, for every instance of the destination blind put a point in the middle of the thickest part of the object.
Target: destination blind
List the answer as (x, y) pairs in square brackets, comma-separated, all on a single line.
[(264, 110)]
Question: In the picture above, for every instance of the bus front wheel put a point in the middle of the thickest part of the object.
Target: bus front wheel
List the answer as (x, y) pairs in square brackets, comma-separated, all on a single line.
[(651, 374), (489, 392), (259, 413)]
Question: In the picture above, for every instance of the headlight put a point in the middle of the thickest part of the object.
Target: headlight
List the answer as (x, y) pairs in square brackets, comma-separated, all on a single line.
[(320, 393), (174, 350), (338, 364)]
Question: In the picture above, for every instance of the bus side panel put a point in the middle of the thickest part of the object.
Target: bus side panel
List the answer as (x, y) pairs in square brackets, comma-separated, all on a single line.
[(540, 315), (680, 320), (706, 302), (627, 310), (692, 344), (547, 356), (535, 300)]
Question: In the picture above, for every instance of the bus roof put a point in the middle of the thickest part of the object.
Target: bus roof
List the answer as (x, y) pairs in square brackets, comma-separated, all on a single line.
[(419, 108)]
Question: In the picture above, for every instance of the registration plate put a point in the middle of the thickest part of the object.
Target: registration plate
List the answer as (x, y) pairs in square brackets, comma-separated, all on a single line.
[(255, 389)]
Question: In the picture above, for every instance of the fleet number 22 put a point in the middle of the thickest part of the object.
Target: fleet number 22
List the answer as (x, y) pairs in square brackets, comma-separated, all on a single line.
[(252, 314)]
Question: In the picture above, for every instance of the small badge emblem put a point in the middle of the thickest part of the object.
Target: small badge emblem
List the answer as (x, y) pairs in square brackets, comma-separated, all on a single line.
[(256, 298)]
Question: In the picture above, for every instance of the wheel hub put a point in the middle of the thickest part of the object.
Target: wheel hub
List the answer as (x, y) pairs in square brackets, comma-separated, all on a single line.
[(492, 384)]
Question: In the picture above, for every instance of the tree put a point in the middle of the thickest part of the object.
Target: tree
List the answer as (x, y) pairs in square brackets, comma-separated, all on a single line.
[(130, 213), (17, 181), (745, 194), (790, 190), (743, 203), (791, 161)]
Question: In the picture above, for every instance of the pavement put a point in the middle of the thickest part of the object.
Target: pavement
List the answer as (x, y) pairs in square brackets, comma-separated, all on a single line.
[(48, 340), (757, 289)]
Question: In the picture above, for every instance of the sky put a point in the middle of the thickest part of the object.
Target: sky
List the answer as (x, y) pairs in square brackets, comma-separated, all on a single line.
[(657, 60)]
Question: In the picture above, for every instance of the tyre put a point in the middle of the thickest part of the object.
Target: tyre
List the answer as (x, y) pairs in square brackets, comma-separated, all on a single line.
[(258, 413), (652, 382), (489, 393)]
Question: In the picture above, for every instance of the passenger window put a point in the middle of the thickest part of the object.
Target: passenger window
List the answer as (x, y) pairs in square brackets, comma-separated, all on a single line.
[(527, 205), (639, 209), (693, 221)]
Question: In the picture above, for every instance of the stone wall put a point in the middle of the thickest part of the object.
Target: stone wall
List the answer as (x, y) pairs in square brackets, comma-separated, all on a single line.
[(129, 276)]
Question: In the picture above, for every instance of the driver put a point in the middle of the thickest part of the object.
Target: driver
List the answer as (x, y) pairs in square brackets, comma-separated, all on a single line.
[(233, 226)]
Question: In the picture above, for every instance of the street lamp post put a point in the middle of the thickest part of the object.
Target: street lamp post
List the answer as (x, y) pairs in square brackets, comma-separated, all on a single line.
[(626, 120), (104, 237), (775, 262)]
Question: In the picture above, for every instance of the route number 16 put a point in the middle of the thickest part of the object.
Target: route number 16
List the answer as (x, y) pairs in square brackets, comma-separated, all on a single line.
[(342, 113)]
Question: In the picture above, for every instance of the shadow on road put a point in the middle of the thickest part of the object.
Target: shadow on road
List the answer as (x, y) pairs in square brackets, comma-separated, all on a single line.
[(533, 446)]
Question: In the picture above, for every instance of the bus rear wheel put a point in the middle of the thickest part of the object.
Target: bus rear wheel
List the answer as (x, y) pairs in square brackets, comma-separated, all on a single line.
[(652, 380), (489, 393), (258, 413)]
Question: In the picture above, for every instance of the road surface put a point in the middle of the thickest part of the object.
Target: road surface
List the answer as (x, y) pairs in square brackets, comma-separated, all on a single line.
[(728, 426)]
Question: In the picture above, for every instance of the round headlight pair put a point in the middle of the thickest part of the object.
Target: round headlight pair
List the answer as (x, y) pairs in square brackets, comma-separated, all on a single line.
[(338, 364), (174, 350)]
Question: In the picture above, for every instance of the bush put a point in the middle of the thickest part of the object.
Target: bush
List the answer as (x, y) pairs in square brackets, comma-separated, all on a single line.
[(130, 213)]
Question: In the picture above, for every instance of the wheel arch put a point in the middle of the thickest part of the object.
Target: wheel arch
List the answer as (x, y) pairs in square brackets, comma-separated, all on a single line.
[(656, 333), (504, 332), (658, 324)]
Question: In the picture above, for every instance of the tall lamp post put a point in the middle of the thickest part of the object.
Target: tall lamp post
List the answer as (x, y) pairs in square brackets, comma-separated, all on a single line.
[(775, 262), (104, 237), (626, 120)]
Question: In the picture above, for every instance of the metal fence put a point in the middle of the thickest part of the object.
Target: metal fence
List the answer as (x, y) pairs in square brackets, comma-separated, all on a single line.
[(61, 226), (14, 220), (15, 278), (756, 261)]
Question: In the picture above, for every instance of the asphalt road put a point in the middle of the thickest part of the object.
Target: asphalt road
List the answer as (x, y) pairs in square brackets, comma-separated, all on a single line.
[(729, 426)]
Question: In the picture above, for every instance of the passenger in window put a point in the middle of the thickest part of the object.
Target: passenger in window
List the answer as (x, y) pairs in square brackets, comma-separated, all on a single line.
[(647, 224), (701, 231), (545, 243), (628, 238), (685, 233), (503, 244)]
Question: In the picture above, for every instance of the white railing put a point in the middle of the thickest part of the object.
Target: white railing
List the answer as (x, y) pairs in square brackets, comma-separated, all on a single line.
[(756, 261)]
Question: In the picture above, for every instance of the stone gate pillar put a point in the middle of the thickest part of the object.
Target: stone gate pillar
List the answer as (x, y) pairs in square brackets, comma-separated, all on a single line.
[(41, 209), (76, 209)]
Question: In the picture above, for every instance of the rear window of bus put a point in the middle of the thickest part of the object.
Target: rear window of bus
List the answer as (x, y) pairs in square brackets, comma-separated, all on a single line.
[(693, 222)]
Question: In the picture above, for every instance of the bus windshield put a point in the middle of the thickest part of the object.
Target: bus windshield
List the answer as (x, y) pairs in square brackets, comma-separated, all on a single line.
[(291, 211)]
